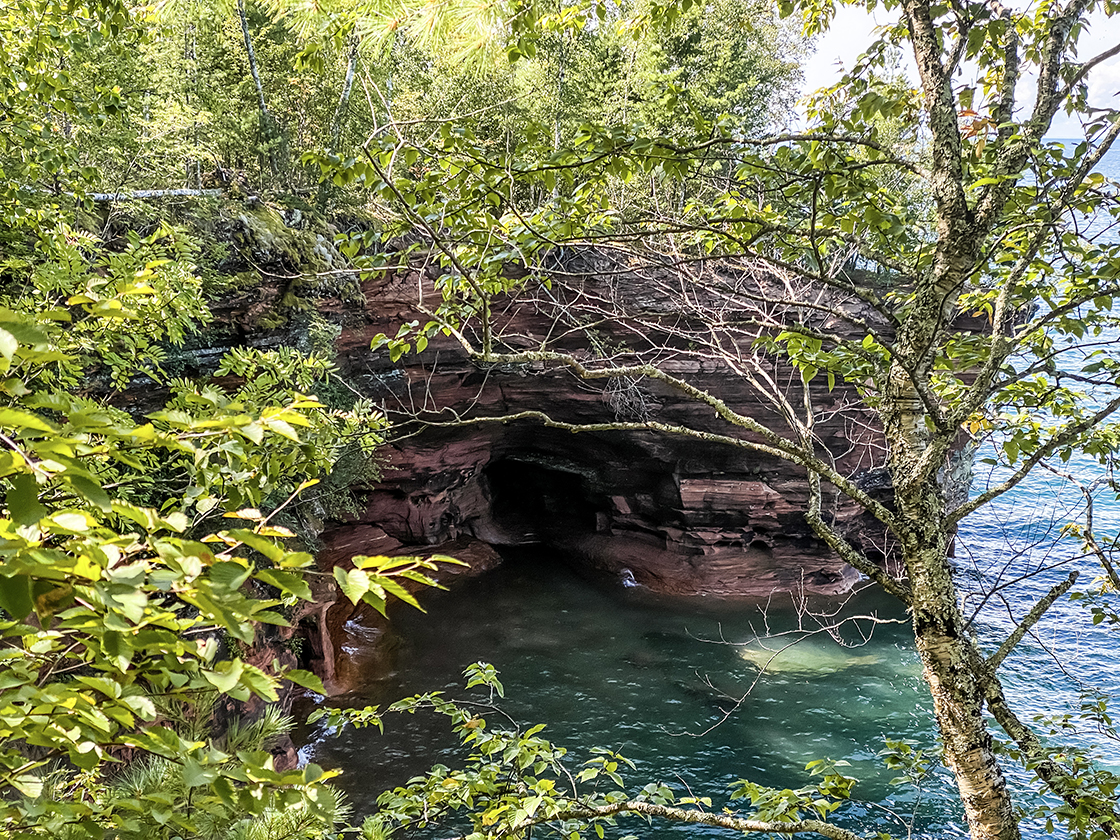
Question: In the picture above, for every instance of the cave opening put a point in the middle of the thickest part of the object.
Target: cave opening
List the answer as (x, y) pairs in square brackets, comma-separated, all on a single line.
[(532, 504)]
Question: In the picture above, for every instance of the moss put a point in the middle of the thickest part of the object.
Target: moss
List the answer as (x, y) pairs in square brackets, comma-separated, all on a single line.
[(274, 319), (360, 219), (243, 244), (216, 284), (266, 238)]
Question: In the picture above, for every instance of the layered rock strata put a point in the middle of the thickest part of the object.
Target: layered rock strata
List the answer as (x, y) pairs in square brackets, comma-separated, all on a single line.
[(676, 514)]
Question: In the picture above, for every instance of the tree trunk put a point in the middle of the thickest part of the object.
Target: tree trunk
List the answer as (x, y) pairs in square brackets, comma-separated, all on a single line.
[(192, 167), (948, 659), (324, 191), (268, 134), (947, 653), (344, 97), (909, 419)]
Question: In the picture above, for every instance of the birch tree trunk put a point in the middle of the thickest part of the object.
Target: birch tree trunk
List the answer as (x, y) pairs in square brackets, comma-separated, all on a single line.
[(324, 191), (344, 96), (948, 660), (268, 124), (947, 653)]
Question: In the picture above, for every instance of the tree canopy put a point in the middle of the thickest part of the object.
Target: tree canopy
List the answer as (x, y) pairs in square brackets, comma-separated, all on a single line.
[(934, 251), (134, 556)]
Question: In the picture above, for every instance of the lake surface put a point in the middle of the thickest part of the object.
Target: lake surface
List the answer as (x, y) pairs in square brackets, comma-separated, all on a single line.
[(654, 678), (647, 676)]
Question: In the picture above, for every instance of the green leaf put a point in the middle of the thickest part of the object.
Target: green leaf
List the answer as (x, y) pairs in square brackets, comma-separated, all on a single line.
[(117, 648), (23, 500), (15, 596), (230, 575), (225, 675), (75, 521), (144, 517), (92, 491), (281, 428), (1011, 448), (195, 775), (305, 679), (286, 582), (265, 546), (29, 785), (14, 419), (110, 688), (8, 344), (354, 583)]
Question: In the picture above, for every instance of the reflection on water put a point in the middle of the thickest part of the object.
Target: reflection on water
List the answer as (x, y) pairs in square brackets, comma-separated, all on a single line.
[(644, 675)]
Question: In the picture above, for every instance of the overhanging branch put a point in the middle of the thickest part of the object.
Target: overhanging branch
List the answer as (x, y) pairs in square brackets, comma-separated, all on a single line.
[(845, 549), (720, 820), (1045, 767), (772, 443)]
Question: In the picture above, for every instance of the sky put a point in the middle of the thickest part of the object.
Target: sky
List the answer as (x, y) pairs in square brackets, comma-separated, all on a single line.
[(851, 32)]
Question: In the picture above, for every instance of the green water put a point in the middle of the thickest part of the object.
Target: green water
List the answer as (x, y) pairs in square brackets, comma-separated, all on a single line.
[(656, 679)]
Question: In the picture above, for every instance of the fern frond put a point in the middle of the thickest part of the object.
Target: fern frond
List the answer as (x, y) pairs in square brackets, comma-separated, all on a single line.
[(305, 820), (258, 734)]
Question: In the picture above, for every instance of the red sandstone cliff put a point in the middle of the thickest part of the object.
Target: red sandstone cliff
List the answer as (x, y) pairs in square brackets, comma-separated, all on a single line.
[(677, 515)]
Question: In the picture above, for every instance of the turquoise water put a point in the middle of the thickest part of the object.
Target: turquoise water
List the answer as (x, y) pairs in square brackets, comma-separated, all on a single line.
[(1010, 554), (1011, 548), (651, 677), (655, 678)]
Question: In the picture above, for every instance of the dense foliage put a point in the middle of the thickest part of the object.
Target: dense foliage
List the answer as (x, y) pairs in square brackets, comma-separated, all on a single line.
[(136, 566), (192, 107)]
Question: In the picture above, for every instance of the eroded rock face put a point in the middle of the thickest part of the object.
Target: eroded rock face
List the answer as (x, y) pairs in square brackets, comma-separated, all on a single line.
[(677, 514)]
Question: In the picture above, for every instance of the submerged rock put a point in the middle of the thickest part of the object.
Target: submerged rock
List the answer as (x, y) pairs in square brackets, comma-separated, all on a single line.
[(804, 658)]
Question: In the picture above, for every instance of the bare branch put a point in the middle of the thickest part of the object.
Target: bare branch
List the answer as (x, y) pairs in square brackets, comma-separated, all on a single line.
[(946, 178), (1032, 618), (1089, 536), (774, 444), (1005, 109), (788, 452), (1084, 69)]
